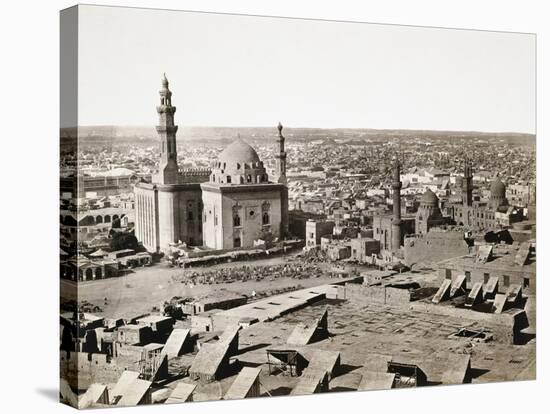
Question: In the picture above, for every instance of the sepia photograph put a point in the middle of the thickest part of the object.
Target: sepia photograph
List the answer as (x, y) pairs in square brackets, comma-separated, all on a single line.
[(256, 206)]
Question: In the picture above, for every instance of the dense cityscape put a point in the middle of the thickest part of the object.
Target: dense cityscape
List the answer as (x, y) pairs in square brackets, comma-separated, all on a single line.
[(245, 262)]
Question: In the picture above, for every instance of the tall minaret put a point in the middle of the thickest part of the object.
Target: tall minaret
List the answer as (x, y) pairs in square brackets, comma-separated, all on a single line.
[(396, 220), (168, 167), (280, 158), (467, 185)]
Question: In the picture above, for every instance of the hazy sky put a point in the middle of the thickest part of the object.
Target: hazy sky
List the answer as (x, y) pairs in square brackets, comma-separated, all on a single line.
[(229, 70)]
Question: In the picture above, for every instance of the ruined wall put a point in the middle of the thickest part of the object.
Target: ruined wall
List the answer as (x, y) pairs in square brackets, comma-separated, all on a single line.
[(434, 247), (368, 295)]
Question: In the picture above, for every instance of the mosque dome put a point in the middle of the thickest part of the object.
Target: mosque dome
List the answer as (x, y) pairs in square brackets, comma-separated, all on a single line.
[(239, 163), (498, 190), (238, 152), (429, 198)]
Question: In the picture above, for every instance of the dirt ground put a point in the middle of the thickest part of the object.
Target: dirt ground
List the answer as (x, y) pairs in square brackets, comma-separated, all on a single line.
[(138, 292)]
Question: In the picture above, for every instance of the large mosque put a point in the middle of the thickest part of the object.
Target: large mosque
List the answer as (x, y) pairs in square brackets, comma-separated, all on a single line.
[(229, 206)]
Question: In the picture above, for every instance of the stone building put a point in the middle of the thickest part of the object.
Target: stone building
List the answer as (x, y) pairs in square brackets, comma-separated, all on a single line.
[(315, 229), (240, 204), (512, 265), (362, 249), (496, 213), (428, 214), (229, 206)]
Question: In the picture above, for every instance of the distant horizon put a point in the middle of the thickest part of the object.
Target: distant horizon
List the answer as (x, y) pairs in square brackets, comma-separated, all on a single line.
[(285, 127)]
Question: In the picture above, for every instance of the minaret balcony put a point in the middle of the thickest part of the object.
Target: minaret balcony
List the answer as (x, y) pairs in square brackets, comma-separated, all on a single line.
[(166, 129), (163, 109)]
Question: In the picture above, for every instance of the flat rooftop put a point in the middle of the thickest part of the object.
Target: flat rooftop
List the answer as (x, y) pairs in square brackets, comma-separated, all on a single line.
[(360, 332), (275, 306), (501, 259)]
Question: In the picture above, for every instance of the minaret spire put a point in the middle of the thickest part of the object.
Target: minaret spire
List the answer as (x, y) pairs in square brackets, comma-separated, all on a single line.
[(467, 183), (396, 219), (168, 166), (280, 158)]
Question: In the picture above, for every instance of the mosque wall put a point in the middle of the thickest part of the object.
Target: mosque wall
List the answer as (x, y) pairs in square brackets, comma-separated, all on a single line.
[(251, 206), (211, 226)]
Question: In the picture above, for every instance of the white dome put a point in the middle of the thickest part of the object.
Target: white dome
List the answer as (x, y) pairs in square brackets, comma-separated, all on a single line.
[(238, 163)]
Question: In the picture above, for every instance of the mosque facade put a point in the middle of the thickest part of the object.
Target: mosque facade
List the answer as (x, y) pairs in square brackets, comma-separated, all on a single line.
[(496, 213), (233, 205)]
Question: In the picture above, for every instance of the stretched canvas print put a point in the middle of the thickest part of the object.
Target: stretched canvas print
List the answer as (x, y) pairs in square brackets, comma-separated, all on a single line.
[(257, 206)]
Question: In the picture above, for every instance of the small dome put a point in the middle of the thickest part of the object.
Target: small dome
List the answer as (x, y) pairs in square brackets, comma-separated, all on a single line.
[(498, 189), (238, 152), (429, 198)]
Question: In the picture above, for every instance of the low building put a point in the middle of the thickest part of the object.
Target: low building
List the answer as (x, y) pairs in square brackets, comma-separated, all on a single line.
[(338, 251), (134, 334), (227, 301), (203, 322), (161, 326), (512, 265), (82, 268), (316, 229), (362, 249), (297, 220)]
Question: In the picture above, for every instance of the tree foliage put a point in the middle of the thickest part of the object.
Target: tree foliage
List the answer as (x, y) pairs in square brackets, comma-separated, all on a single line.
[(121, 241)]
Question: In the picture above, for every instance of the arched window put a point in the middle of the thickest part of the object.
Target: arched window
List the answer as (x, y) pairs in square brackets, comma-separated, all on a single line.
[(265, 218), (248, 178), (107, 218), (237, 241), (99, 220), (190, 216), (241, 179), (236, 220), (238, 166), (228, 179)]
